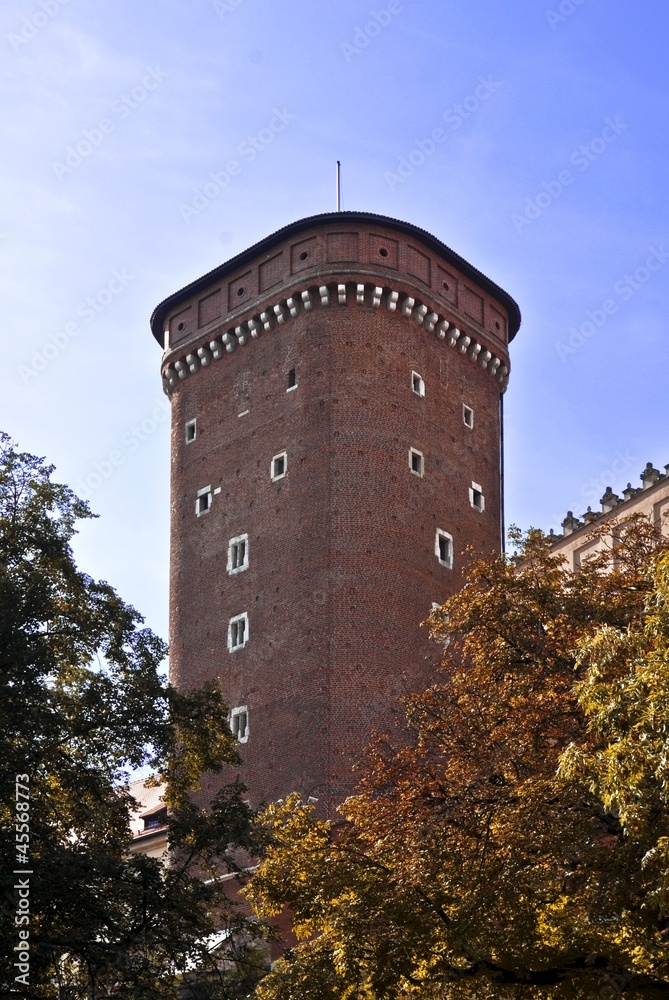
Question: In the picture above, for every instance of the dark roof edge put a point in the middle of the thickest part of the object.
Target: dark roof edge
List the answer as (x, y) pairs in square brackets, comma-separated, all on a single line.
[(159, 313)]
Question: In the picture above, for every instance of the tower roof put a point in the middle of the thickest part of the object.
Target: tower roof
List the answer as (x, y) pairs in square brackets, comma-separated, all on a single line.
[(269, 242)]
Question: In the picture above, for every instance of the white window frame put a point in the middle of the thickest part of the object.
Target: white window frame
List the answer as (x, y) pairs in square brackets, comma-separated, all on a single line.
[(465, 411), (412, 452), (292, 388), (275, 478), (231, 630), (190, 424), (235, 712), (420, 391), (448, 563), (232, 569), (204, 492), (474, 490)]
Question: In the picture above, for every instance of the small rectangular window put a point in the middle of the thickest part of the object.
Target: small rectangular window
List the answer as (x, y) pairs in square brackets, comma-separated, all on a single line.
[(443, 548), (203, 501), (476, 498), (416, 461), (156, 819), (238, 632), (239, 723), (238, 554), (292, 380), (417, 384), (467, 416), (191, 430), (279, 466)]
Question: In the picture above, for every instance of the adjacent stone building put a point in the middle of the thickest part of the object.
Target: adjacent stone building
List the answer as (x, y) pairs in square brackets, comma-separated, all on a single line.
[(148, 822), (651, 499), (336, 446)]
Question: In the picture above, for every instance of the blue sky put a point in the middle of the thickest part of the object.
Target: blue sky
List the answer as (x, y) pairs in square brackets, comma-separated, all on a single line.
[(549, 175)]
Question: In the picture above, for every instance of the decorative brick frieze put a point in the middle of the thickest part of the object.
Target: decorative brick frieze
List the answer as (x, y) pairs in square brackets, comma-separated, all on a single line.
[(346, 243), (215, 347)]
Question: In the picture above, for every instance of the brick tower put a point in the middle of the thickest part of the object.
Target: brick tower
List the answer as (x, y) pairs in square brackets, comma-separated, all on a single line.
[(336, 431)]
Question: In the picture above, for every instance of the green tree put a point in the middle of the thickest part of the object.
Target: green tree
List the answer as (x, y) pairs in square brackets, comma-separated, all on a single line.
[(82, 703), (512, 840)]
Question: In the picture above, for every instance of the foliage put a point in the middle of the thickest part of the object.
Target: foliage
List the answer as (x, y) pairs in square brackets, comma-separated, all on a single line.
[(82, 703), (513, 840)]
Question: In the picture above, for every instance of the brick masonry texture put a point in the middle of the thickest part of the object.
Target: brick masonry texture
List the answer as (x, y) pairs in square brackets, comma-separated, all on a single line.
[(342, 565)]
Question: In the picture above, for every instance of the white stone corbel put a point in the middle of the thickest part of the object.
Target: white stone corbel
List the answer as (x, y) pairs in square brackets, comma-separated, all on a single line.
[(360, 295), (419, 314), (293, 306), (463, 343), (241, 335), (502, 373), (474, 351), (167, 387), (376, 297), (307, 300), (171, 376), (483, 359), (430, 321), (182, 369), (193, 362), (494, 365), (230, 342), (254, 328), (453, 336), (204, 356), (441, 328), (216, 348), (280, 313), (341, 294), (266, 320), (407, 306), (393, 299), (324, 293)]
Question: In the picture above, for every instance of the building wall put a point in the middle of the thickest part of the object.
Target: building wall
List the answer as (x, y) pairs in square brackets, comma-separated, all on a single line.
[(147, 839), (342, 563)]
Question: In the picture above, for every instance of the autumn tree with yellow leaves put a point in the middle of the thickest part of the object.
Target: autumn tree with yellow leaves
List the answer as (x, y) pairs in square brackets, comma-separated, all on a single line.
[(513, 840)]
